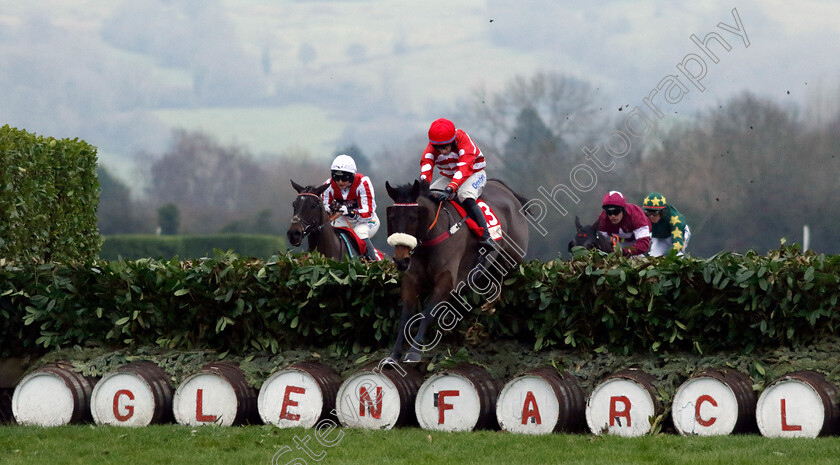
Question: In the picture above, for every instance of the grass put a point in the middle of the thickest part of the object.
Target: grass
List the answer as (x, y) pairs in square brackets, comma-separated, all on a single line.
[(258, 444)]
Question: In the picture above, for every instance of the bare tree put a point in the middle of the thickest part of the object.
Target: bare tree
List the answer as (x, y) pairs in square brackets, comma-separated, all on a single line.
[(744, 175), (211, 184), (567, 105)]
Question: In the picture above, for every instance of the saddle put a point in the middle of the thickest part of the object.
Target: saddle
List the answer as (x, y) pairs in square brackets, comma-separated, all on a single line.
[(354, 244), (494, 227)]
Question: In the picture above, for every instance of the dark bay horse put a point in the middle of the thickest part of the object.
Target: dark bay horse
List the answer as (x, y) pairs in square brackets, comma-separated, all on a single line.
[(588, 237), (439, 256), (311, 220)]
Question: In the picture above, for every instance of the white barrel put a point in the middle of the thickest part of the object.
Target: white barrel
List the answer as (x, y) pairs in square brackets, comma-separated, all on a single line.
[(801, 404), (52, 395), (378, 397), (138, 394), (458, 399), (623, 404), (541, 401), (299, 395), (218, 394), (715, 403)]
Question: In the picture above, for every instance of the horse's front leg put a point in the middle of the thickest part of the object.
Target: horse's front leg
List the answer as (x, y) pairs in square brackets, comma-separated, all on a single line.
[(410, 295), (441, 292)]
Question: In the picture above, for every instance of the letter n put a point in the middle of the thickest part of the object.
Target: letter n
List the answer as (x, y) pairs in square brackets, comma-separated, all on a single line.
[(374, 408)]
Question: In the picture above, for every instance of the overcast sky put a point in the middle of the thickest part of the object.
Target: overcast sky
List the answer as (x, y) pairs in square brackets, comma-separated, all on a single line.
[(292, 76)]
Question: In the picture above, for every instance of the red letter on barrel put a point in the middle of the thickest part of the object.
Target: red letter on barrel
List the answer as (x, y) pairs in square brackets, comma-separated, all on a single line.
[(374, 408), (700, 400), (785, 425), (128, 408), (199, 408), (530, 409), (443, 406), (623, 413), (288, 402)]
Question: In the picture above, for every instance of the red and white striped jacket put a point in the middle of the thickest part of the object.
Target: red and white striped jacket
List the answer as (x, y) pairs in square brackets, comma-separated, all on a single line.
[(458, 166), (361, 190)]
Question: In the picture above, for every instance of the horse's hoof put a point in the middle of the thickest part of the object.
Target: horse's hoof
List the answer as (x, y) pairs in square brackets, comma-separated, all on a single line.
[(412, 357)]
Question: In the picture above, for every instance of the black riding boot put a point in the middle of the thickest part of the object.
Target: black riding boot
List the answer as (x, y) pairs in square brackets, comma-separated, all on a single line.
[(474, 212), (370, 253)]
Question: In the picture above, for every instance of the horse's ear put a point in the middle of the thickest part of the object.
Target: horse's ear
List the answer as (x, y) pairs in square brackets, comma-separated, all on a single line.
[(390, 190), (321, 189), (415, 189), (297, 186), (596, 224), (577, 223)]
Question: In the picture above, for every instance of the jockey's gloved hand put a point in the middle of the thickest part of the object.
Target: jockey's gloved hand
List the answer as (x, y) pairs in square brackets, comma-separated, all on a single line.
[(449, 193), (437, 196), (343, 210), (352, 213)]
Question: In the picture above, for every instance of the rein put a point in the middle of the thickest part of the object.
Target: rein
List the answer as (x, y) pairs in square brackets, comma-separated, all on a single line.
[(456, 226), (440, 204)]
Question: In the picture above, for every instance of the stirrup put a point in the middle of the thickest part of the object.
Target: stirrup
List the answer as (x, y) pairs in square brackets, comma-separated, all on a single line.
[(370, 251), (485, 240), (412, 357)]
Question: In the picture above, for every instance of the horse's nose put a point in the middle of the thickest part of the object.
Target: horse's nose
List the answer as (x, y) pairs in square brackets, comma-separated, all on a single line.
[(294, 235), (403, 264), (402, 257)]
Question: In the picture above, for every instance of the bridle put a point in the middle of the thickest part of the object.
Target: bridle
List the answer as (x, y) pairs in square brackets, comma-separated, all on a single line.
[(451, 230), (307, 226)]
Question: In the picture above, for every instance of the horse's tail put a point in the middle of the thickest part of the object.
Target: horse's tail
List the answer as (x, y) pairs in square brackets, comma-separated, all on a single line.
[(523, 201)]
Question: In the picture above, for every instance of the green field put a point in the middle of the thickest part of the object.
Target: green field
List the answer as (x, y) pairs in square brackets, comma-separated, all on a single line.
[(258, 444)]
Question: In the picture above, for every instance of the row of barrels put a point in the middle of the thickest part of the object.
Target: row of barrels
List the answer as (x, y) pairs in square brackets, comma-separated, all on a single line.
[(383, 396)]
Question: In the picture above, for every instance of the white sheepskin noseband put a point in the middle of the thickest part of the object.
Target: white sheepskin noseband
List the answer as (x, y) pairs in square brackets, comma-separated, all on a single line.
[(402, 239)]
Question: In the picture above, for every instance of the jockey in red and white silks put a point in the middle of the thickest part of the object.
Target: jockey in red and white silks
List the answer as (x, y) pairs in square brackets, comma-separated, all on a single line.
[(457, 157), (354, 193), (461, 166), (627, 221)]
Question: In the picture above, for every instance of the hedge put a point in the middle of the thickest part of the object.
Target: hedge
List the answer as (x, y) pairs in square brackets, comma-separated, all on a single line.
[(136, 246), (604, 303), (48, 198)]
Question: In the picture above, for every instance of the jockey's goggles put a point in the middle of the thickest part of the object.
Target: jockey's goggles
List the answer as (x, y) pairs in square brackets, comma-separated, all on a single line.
[(652, 212), (441, 146), (341, 176), (613, 211)]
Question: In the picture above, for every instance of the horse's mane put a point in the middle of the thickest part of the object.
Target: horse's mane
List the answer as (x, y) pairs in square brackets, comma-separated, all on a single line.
[(309, 189), (403, 192)]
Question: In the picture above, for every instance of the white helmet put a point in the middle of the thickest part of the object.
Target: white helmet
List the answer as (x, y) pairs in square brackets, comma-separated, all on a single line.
[(344, 163)]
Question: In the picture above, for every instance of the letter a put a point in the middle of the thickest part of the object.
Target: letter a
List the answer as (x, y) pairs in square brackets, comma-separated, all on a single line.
[(530, 409)]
